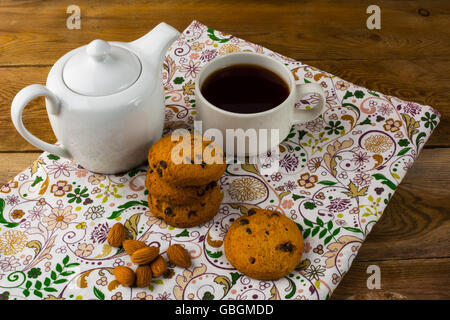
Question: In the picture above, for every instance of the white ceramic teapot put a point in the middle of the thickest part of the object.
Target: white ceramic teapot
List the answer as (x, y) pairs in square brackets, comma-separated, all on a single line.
[(105, 102)]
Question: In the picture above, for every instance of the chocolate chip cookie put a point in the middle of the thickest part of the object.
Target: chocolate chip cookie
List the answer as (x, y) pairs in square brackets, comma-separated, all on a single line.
[(186, 162), (159, 189), (189, 214), (264, 244)]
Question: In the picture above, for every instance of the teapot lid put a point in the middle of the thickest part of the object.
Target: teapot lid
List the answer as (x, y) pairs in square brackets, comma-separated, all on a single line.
[(101, 69)]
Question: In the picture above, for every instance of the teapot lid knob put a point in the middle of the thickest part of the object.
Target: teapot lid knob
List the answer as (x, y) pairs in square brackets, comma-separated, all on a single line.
[(101, 68), (98, 49)]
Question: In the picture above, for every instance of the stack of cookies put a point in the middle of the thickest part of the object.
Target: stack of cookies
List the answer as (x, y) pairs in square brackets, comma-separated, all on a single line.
[(184, 194)]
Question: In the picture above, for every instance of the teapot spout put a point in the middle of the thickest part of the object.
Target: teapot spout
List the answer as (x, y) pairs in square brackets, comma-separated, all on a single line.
[(154, 44)]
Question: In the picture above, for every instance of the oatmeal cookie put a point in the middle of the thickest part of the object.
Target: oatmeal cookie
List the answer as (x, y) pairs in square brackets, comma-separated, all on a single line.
[(189, 214), (192, 167), (264, 244), (159, 189)]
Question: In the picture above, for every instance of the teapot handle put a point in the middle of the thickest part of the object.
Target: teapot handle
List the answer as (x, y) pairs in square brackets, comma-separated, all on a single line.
[(19, 103)]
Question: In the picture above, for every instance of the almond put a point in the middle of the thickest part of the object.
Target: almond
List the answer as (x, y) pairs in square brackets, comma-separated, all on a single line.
[(143, 276), (124, 275), (179, 256), (117, 235), (145, 255), (131, 246), (158, 266)]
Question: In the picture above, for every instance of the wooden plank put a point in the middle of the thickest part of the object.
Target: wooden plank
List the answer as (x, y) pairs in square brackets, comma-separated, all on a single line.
[(423, 81), (416, 223), (34, 116), (35, 32), (407, 58), (415, 279), (11, 164)]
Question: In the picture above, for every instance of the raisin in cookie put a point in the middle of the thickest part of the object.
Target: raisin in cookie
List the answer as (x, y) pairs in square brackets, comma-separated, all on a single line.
[(190, 214), (264, 244), (192, 167)]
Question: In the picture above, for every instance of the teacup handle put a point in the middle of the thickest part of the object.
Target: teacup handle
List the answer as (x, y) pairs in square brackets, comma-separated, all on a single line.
[(19, 103), (314, 111)]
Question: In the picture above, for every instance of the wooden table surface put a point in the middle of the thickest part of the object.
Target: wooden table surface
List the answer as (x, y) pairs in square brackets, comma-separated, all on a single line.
[(407, 58)]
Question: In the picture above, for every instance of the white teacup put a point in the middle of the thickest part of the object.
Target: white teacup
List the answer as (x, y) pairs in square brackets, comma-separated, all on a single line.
[(271, 126)]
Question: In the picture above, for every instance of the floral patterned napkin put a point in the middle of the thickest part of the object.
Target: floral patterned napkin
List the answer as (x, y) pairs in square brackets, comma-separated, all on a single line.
[(337, 174)]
